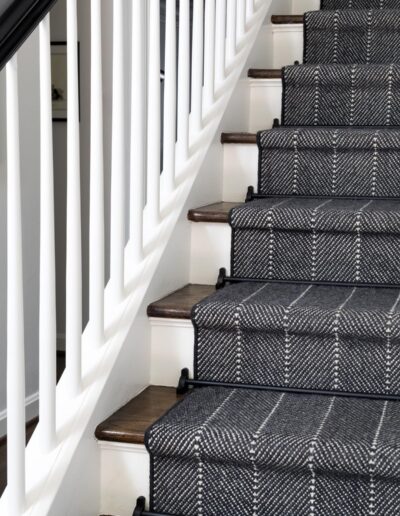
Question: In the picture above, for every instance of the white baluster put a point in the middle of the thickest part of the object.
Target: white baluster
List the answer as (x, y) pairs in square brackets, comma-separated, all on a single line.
[(118, 158), (15, 305), (47, 308), (241, 19), (249, 9), (197, 66), (73, 329), (96, 233), (183, 79), (138, 128), (209, 53), (170, 95), (220, 40), (230, 31), (153, 125)]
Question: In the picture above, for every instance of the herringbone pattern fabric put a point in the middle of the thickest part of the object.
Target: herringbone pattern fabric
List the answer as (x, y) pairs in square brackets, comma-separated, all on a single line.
[(322, 310), (360, 4), (329, 161), (236, 453), (341, 95), (337, 240), (348, 37), (320, 337)]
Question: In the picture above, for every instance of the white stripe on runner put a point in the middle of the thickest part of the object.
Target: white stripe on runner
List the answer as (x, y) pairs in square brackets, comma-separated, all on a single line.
[(336, 354), (358, 241), (311, 458), (197, 451), (288, 336), (372, 464), (314, 246), (256, 473), (238, 312), (388, 354)]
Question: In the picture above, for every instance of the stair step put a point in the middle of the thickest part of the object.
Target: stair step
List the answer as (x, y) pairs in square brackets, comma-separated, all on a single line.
[(348, 241), (352, 104), (244, 442), (280, 19), (288, 337), (129, 423), (242, 138), (264, 73), (330, 37), (217, 212), (179, 304), (329, 161)]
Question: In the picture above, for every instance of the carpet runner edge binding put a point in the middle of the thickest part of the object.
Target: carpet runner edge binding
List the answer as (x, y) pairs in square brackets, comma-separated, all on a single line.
[(237, 452)]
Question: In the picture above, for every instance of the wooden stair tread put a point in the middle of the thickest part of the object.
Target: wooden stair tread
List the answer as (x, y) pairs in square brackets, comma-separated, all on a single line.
[(179, 304), (238, 138), (217, 212), (129, 423), (264, 73), (280, 19)]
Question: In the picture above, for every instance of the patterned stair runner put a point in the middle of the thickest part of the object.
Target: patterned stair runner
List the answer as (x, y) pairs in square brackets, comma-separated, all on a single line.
[(321, 307)]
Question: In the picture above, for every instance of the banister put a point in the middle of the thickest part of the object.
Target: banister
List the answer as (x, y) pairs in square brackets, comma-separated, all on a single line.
[(18, 19)]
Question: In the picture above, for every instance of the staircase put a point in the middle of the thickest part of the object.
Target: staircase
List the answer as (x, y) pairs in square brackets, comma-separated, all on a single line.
[(291, 404)]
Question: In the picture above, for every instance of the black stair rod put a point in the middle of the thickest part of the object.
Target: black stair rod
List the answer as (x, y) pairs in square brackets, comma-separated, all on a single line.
[(140, 509), (223, 279), (251, 196), (185, 383)]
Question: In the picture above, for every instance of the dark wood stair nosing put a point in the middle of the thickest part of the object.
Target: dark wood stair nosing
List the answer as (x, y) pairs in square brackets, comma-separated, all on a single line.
[(239, 138), (179, 304), (265, 73), (287, 19), (129, 424), (212, 213)]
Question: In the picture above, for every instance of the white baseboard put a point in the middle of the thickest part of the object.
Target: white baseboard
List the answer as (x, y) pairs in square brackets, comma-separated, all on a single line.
[(31, 411)]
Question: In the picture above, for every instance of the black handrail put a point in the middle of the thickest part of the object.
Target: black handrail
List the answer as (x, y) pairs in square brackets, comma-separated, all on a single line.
[(18, 19)]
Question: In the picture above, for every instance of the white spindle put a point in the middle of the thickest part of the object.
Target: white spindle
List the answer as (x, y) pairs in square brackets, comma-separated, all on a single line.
[(197, 66), (96, 244), (153, 125), (241, 18), (230, 31), (209, 53), (138, 128), (249, 9), (170, 95), (47, 308), (118, 157), (15, 305), (220, 33), (183, 79), (73, 328)]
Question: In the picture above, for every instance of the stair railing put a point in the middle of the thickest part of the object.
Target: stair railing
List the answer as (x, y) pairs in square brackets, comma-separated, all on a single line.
[(200, 75)]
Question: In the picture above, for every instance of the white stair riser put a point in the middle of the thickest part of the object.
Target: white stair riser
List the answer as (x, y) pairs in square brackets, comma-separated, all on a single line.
[(302, 6), (288, 44), (210, 250), (240, 171), (171, 350), (265, 103), (125, 473)]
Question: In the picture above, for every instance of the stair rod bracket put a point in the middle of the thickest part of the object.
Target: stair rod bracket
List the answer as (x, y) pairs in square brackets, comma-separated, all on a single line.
[(185, 383), (141, 511)]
